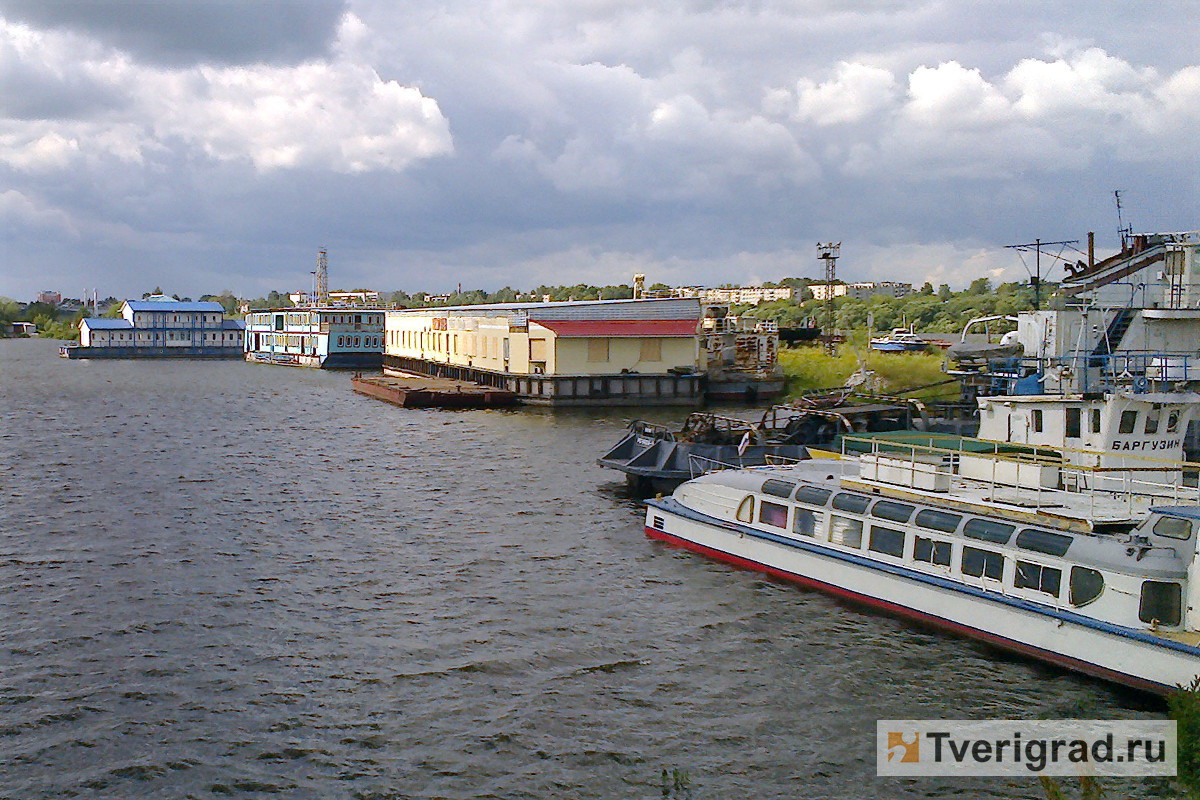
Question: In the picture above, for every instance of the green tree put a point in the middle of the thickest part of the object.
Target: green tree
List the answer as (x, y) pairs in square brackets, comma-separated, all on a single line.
[(622, 292), (227, 299), (505, 295), (1184, 707), (34, 310), (10, 310), (980, 286)]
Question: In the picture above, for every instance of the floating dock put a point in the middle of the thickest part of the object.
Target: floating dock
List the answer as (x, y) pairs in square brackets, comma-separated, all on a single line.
[(419, 391)]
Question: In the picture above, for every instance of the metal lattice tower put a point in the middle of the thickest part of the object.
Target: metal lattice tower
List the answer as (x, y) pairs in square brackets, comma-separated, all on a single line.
[(322, 279), (829, 254)]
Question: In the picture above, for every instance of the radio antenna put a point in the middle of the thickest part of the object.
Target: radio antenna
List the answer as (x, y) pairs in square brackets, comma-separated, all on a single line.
[(1122, 230)]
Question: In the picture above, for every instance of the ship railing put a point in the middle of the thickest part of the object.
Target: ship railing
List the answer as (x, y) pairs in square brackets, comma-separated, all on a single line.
[(782, 461), (702, 465), (1139, 371), (1044, 472), (653, 430)]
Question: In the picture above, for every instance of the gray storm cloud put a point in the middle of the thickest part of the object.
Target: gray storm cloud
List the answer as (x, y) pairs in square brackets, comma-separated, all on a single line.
[(525, 142), (173, 32)]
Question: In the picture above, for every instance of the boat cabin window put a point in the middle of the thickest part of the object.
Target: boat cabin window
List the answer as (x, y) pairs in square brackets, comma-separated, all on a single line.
[(982, 563), (931, 551), (778, 488), (1038, 577), (887, 541), (773, 514), (845, 531), (896, 512), (1128, 421), (1174, 527), (813, 495), (1037, 420), (1052, 544), (1152, 419), (938, 520), (851, 502), (988, 531), (745, 511), (1173, 421), (1162, 602), (1086, 585), (1095, 420), (1073, 423), (804, 522)]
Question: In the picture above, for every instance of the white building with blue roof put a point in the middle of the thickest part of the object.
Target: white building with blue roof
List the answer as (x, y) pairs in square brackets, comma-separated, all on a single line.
[(159, 327)]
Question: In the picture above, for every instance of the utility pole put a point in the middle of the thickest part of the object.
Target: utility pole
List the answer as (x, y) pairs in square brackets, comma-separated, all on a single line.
[(1036, 281), (829, 254)]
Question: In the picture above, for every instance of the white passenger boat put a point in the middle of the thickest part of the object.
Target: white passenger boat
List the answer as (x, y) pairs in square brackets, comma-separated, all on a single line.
[(900, 340), (1067, 532)]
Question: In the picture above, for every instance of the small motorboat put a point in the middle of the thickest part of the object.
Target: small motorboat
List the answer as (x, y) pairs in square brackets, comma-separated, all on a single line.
[(900, 340)]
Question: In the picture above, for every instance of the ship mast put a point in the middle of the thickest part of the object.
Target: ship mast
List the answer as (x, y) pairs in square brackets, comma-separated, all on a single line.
[(1035, 280)]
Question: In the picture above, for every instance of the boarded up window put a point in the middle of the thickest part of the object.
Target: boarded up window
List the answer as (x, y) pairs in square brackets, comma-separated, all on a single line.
[(597, 350), (651, 350), (537, 350)]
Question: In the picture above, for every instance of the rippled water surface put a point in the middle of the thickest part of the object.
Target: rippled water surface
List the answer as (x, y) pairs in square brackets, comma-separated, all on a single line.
[(230, 580)]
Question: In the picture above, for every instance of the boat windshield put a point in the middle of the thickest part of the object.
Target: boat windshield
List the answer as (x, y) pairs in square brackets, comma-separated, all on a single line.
[(1174, 527)]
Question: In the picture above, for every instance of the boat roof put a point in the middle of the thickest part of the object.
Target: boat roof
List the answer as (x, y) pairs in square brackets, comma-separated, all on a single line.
[(1052, 507), (1191, 512), (105, 324), (169, 305)]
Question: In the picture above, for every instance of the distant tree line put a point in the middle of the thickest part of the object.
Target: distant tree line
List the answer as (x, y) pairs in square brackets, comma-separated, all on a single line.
[(53, 321), (927, 309)]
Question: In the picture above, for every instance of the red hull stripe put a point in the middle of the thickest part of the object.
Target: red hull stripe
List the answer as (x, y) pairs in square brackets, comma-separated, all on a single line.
[(911, 613)]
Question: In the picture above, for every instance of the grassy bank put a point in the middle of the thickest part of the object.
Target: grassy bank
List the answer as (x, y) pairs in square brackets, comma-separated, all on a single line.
[(809, 368)]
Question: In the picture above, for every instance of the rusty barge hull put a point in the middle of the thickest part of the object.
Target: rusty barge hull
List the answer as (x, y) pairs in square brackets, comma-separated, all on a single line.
[(422, 392)]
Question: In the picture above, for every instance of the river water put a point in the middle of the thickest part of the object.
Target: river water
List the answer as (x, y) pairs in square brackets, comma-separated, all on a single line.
[(229, 580)]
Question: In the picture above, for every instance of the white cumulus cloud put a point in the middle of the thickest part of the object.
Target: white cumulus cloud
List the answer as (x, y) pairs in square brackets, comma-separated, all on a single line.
[(854, 93), (337, 115)]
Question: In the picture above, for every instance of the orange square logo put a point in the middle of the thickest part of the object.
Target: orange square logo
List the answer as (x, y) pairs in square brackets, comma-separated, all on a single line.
[(902, 751)]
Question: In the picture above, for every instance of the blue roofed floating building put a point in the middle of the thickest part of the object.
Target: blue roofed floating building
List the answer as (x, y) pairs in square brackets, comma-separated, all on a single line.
[(160, 327)]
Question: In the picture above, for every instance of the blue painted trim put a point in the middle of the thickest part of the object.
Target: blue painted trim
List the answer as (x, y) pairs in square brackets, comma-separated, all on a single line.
[(672, 506)]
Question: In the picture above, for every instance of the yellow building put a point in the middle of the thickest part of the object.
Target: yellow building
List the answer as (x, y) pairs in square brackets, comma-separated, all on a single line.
[(589, 352)]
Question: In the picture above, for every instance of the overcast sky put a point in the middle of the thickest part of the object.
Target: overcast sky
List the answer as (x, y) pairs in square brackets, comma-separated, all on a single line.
[(212, 145)]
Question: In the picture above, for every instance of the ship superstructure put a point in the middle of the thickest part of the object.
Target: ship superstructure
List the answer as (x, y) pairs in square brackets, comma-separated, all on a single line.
[(328, 338)]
